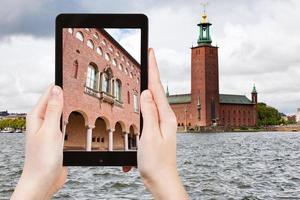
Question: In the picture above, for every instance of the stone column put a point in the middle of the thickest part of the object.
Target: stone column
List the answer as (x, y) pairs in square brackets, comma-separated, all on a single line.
[(126, 141), (110, 139), (89, 135)]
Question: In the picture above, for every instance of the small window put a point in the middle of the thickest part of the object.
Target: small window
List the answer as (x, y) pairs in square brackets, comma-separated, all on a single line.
[(123, 58), (70, 30), (118, 54), (105, 83), (66, 136), (135, 103), (126, 71), (127, 63), (87, 29), (132, 67), (99, 51), (96, 35), (75, 64), (128, 97), (90, 44), (79, 36), (114, 62), (131, 75), (121, 67), (111, 48), (107, 57), (98, 139), (93, 139), (103, 42), (91, 77), (118, 90)]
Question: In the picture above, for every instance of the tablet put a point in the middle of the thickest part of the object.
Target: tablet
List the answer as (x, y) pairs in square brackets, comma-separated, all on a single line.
[(102, 66)]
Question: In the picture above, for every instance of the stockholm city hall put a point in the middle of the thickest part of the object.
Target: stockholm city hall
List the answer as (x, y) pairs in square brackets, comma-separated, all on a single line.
[(205, 106)]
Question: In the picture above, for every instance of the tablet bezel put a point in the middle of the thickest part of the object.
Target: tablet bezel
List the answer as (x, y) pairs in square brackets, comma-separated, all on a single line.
[(139, 21)]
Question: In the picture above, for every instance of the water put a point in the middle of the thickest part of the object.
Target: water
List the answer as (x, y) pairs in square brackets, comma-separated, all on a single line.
[(212, 166)]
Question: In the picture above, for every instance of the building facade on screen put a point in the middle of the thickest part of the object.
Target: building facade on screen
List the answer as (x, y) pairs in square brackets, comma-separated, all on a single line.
[(205, 106), (101, 83)]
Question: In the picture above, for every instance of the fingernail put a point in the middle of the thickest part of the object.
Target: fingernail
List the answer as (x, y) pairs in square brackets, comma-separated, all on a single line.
[(55, 91)]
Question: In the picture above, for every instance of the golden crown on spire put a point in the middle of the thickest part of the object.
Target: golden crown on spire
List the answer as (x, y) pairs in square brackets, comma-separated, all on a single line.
[(204, 15)]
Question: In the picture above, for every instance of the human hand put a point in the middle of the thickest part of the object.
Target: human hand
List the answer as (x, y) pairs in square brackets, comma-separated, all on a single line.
[(43, 173), (156, 154)]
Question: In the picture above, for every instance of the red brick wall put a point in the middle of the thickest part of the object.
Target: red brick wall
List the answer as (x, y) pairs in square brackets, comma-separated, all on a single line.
[(236, 115), (204, 83), (75, 99)]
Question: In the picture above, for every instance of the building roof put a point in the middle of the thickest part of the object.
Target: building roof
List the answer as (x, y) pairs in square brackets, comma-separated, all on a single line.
[(179, 98), (224, 99), (234, 99)]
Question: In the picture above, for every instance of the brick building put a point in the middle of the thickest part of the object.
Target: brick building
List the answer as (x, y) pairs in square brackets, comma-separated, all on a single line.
[(101, 83), (204, 106)]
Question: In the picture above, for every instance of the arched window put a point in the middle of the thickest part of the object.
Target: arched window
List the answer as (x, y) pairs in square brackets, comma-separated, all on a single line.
[(123, 58), (111, 48), (90, 44), (128, 97), (79, 36), (126, 71), (107, 57), (114, 62), (91, 77), (121, 67), (103, 42), (87, 29), (96, 35), (70, 30), (118, 54), (118, 92), (75, 64), (131, 75), (99, 51), (127, 63), (105, 83)]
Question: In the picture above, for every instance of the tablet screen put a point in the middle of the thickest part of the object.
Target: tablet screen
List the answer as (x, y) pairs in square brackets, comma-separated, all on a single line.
[(101, 83)]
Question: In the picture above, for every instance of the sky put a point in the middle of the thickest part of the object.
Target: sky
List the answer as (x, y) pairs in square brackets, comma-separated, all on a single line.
[(258, 44)]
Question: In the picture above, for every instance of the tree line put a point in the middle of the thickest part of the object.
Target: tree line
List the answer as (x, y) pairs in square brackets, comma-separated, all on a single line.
[(17, 123), (269, 116)]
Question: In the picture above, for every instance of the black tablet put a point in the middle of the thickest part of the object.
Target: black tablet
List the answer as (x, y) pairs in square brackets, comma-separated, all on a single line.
[(102, 66)]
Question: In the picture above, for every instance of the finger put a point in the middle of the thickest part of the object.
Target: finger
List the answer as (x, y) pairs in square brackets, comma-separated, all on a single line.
[(157, 89), (34, 118), (53, 110), (150, 115), (166, 115), (126, 169)]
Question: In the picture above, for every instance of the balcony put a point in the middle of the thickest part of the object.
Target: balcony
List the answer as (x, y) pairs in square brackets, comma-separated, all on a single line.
[(107, 97), (103, 96)]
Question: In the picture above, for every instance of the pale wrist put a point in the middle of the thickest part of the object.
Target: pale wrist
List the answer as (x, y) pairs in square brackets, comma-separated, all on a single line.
[(28, 188)]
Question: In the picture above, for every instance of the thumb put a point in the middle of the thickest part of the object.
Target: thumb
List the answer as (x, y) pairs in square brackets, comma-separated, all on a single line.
[(54, 109), (150, 115)]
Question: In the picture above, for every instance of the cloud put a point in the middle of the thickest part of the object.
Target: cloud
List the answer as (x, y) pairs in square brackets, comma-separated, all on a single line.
[(258, 40), (27, 67)]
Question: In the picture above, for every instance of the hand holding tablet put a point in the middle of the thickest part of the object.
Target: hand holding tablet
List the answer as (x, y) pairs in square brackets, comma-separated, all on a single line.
[(156, 149)]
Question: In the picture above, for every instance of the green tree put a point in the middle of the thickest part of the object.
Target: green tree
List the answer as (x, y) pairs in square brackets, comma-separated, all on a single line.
[(268, 115)]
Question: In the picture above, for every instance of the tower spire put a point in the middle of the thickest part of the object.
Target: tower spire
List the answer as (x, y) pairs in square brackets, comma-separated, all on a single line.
[(167, 92), (204, 33)]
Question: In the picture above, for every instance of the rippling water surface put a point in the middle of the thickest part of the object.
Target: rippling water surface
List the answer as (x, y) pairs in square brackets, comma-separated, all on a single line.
[(212, 166)]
